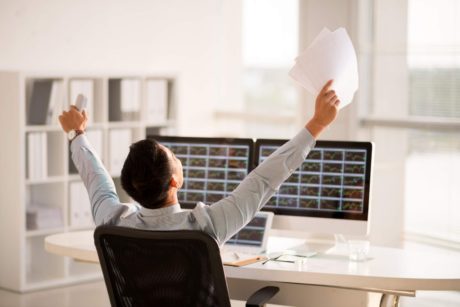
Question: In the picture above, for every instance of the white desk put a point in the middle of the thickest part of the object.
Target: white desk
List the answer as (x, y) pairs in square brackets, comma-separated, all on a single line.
[(391, 272)]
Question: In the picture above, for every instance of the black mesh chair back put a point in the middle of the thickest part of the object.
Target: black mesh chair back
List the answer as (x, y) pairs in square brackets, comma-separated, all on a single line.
[(161, 268)]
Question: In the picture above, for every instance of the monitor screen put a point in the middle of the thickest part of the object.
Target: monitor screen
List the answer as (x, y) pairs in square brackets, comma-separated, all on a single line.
[(213, 167), (332, 182)]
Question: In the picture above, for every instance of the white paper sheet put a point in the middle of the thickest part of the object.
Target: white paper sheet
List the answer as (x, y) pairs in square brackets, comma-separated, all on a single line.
[(330, 56)]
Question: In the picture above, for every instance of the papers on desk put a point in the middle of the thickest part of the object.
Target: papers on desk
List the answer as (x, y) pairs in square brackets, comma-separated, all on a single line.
[(330, 56), (240, 259)]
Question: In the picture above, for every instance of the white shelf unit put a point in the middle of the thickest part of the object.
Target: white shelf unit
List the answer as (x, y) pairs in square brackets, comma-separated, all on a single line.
[(24, 264)]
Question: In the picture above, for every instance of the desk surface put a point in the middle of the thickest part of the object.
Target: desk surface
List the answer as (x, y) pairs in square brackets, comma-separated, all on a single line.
[(388, 268)]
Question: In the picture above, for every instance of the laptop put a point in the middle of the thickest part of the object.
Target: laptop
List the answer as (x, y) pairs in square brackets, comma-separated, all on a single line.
[(251, 240)]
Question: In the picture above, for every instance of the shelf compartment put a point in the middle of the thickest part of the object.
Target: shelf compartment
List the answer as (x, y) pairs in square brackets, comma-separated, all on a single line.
[(125, 99), (119, 141), (158, 106), (45, 100), (80, 214), (44, 208), (45, 154), (93, 89), (41, 265)]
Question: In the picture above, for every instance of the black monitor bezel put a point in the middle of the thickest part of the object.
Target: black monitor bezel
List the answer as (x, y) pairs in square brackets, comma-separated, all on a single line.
[(208, 140), (363, 216)]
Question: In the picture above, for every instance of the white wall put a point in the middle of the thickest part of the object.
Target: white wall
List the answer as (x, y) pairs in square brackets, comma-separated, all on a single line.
[(196, 40)]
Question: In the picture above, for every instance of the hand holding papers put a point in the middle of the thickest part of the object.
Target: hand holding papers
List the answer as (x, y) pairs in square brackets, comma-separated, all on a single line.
[(330, 56)]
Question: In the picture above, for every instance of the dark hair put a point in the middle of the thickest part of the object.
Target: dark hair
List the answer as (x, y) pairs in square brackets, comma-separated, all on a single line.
[(146, 174)]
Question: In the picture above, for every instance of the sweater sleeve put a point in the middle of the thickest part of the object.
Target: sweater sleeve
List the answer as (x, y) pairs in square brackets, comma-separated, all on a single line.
[(105, 204), (227, 216)]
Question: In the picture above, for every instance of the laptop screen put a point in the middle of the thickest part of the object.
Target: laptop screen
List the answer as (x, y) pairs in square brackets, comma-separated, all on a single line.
[(253, 233)]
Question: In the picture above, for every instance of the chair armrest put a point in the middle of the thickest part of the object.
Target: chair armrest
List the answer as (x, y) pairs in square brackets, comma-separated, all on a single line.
[(261, 296)]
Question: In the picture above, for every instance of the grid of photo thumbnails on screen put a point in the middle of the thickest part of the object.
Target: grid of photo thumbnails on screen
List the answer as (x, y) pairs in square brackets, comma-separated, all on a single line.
[(331, 182), (212, 168)]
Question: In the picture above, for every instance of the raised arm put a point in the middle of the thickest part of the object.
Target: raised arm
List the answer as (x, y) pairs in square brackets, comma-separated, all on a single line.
[(105, 204), (232, 213)]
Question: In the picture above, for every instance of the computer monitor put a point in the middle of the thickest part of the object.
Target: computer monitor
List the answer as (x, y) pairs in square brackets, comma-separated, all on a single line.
[(213, 167), (328, 194)]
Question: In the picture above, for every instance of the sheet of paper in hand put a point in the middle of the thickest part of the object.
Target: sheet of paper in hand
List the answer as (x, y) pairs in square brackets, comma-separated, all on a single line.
[(330, 56)]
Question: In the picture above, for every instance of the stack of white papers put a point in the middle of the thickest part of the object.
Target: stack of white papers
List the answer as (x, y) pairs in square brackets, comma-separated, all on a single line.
[(330, 56)]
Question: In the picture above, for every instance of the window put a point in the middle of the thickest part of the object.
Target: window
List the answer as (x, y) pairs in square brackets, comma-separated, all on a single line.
[(433, 160), (434, 57), (414, 116), (270, 45), (432, 185)]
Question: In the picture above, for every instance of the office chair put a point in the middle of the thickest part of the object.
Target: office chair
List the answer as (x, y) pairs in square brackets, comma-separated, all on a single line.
[(165, 268)]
